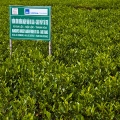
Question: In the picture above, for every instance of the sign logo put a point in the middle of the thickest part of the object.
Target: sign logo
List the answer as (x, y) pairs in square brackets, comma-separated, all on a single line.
[(27, 11), (15, 11), (35, 11)]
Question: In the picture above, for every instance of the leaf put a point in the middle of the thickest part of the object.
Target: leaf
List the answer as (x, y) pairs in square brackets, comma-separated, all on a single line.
[(69, 96), (80, 117), (48, 114)]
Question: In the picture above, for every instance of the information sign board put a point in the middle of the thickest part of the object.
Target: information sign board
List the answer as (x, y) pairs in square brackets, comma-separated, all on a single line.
[(30, 22)]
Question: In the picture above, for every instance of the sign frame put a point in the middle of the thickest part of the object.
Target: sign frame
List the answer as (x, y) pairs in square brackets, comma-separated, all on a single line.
[(41, 17)]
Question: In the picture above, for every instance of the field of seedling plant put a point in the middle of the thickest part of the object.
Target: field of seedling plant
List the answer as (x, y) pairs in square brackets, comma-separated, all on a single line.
[(80, 80)]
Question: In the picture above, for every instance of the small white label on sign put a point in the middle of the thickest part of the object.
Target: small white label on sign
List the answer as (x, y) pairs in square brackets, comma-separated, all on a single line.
[(36, 11), (15, 11)]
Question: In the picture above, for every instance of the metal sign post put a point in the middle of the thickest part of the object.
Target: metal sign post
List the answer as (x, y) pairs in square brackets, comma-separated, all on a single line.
[(10, 48), (50, 48)]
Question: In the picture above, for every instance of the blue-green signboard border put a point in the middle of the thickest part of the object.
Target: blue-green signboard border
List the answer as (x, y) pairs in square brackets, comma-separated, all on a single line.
[(33, 7)]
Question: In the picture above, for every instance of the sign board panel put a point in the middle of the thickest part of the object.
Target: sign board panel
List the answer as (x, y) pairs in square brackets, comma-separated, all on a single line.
[(30, 22)]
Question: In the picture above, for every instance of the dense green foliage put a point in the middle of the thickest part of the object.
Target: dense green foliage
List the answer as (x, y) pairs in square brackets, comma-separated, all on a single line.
[(80, 81)]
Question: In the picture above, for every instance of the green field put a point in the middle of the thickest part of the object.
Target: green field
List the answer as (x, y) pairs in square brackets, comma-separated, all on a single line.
[(80, 81)]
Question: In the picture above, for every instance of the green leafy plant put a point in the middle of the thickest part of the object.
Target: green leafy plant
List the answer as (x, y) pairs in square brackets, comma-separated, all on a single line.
[(80, 81)]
